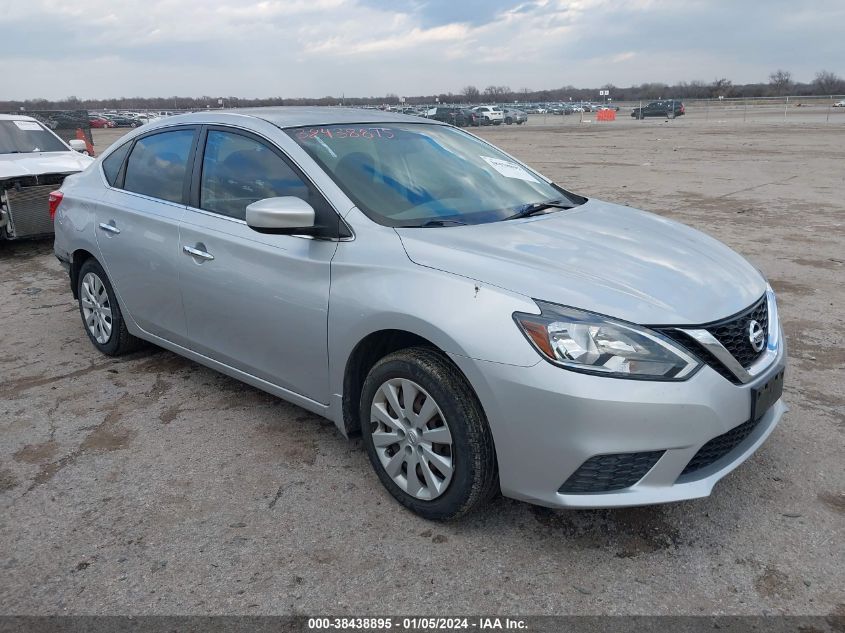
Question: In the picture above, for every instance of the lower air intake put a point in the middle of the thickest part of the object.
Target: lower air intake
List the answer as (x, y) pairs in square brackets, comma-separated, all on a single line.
[(604, 473)]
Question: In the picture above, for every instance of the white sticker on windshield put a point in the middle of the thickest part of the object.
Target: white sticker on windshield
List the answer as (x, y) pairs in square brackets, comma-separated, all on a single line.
[(509, 169), (30, 126)]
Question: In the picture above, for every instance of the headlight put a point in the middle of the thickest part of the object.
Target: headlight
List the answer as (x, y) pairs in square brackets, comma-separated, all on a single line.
[(591, 343)]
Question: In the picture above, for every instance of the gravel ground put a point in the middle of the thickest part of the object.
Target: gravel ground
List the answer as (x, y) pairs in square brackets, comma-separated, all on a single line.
[(151, 485)]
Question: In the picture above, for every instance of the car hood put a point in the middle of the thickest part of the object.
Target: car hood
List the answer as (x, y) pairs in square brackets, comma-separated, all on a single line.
[(36, 164), (601, 257)]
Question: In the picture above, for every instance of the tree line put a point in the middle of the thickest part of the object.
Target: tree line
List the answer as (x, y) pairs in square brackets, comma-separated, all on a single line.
[(780, 83)]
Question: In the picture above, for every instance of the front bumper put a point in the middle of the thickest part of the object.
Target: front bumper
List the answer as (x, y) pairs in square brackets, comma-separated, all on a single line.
[(547, 421)]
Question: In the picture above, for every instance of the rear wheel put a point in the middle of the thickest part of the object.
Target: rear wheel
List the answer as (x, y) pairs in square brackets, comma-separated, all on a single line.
[(426, 434), (100, 313)]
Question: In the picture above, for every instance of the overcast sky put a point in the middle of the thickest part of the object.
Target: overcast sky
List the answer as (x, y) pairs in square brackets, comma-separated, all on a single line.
[(313, 48)]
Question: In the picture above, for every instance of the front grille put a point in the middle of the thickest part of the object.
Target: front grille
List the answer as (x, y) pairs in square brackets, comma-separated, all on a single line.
[(29, 210), (702, 352), (720, 446), (733, 332), (604, 473)]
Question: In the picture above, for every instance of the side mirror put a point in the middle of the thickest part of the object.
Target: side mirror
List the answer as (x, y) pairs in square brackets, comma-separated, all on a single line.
[(78, 145), (287, 215)]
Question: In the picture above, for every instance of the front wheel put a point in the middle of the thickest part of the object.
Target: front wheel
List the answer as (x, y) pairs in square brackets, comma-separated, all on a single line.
[(426, 434), (509, 121), (100, 313)]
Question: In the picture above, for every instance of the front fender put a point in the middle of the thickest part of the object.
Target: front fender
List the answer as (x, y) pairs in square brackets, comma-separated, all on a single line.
[(375, 286)]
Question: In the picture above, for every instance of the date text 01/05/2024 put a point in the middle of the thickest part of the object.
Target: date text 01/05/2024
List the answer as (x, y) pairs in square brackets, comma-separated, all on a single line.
[(418, 623)]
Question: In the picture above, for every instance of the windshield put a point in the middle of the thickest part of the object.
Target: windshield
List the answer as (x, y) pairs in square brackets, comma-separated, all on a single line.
[(24, 137), (416, 174)]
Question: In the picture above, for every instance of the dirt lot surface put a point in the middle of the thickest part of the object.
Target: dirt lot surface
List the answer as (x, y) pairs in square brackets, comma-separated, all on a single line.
[(150, 484)]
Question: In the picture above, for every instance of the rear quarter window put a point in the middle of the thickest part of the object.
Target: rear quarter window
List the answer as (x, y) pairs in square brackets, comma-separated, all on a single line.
[(114, 161)]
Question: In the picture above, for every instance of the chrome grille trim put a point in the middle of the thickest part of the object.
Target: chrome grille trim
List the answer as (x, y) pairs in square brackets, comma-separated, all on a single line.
[(715, 347)]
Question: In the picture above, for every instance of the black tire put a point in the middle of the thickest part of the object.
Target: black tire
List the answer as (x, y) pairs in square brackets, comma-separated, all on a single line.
[(120, 341), (509, 121), (475, 477)]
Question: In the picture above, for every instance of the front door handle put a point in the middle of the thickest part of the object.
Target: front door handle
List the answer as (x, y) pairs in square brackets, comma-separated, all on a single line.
[(195, 252), (109, 228)]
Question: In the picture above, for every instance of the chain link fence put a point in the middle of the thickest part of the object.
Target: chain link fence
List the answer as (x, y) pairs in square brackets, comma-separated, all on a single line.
[(768, 110)]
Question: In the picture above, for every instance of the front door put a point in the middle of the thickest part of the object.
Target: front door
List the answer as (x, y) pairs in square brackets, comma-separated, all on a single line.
[(254, 301)]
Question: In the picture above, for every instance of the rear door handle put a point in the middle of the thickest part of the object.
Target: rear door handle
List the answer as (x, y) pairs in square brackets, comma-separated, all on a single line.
[(195, 252), (109, 228)]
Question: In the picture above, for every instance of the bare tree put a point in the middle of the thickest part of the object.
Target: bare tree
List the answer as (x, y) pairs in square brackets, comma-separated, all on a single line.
[(498, 93), (780, 81), (471, 94), (721, 87), (828, 83), (653, 90)]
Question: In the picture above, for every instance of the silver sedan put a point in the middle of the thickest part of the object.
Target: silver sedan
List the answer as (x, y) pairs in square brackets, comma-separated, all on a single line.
[(482, 328)]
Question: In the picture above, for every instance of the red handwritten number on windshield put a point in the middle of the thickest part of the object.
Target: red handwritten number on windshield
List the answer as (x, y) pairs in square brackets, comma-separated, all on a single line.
[(347, 132)]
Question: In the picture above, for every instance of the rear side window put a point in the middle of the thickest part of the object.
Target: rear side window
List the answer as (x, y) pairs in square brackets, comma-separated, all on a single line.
[(238, 170), (157, 165), (113, 162)]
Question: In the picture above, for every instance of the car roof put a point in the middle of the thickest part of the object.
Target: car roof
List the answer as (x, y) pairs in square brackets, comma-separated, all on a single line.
[(16, 117), (297, 116)]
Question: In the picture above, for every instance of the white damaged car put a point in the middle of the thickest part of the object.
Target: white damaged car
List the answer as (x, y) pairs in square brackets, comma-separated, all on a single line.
[(33, 163)]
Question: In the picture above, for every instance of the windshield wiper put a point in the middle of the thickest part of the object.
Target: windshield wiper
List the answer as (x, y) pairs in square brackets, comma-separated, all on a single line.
[(431, 223), (535, 207)]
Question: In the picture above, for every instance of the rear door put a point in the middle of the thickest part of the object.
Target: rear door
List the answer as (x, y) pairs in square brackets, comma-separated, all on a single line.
[(138, 228), (257, 302)]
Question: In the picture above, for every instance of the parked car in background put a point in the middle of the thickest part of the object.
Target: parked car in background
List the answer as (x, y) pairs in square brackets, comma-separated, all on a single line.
[(120, 120), (100, 122), (512, 116), (592, 355), (560, 109), (664, 108), (490, 115), (470, 118), (460, 117), (839, 104), (33, 163), (67, 120)]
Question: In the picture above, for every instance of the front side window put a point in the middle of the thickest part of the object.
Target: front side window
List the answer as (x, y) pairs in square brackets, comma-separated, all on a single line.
[(238, 170), (27, 137), (157, 165), (409, 174)]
